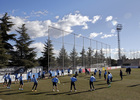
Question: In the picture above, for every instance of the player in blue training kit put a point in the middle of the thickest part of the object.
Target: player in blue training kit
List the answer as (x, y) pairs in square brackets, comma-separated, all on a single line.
[(9, 82), (39, 75), (105, 74), (57, 71), (55, 81), (100, 74), (62, 72), (29, 76), (5, 79), (69, 72), (21, 82), (50, 72), (43, 74), (73, 80), (95, 71), (92, 79), (108, 79), (35, 83), (80, 70), (16, 78)]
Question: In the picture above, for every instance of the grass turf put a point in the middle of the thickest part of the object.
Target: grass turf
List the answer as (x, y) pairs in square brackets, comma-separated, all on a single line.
[(127, 89)]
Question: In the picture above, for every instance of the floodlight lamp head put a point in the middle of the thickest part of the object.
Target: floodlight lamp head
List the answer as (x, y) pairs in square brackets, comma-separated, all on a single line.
[(119, 27)]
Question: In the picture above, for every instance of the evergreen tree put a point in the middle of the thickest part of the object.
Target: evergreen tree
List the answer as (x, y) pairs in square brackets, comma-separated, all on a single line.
[(24, 55), (5, 46), (63, 58), (89, 56), (6, 26), (83, 57), (48, 53), (4, 57), (74, 57)]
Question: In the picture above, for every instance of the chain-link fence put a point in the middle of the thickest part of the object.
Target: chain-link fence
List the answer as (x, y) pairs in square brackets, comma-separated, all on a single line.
[(72, 50)]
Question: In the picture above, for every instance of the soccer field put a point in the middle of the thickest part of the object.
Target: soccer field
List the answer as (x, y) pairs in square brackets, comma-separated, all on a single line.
[(127, 89)]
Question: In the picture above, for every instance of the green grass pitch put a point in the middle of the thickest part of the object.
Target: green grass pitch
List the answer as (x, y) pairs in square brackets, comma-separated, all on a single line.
[(127, 89)]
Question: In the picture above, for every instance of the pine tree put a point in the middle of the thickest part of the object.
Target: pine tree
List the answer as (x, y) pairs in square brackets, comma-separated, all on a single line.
[(83, 57), (63, 58), (74, 57), (24, 55), (89, 56), (6, 26), (48, 53), (5, 46), (4, 57)]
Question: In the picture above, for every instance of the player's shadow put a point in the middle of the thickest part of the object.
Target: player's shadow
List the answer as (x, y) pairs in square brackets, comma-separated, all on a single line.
[(20, 92), (6, 91), (38, 93), (115, 80), (72, 93), (66, 82), (133, 85), (101, 84), (58, 93)]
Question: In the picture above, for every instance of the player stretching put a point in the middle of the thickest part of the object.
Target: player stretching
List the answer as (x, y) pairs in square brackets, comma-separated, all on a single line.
[(9, 82), (21, 82), (108, 79), (5, 80), (73, 80), (105, 75), (55, 80), (35, 83), (92, 79)]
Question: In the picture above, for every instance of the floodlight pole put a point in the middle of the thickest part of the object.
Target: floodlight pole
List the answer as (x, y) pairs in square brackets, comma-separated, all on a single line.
[(119, 28), (48, 45)]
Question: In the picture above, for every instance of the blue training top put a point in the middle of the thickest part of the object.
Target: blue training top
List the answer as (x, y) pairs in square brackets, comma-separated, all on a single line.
[(92, 78), (9, 77), (50, 71), (5, 76), (105, 73), (73, 79), (68, 70), (55, 79), (34, 80), (100, 72), (20, 78), (16, 75), (38, 73)]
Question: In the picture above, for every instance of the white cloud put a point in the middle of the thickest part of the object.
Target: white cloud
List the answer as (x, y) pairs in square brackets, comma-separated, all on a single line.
[(77, 11), (96, 18), (109, 18), (93, 35), (113, 30), (57, 17), (39, 48), (38, 45), (79, 35), (108, 35), (114, 22), (40, 28), (39, 13)]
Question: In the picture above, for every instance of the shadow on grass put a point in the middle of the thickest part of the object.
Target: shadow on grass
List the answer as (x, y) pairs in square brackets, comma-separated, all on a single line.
[(101, 84), (58, 93), (6, 91), (20, 92), (38, 93), (66, 82), (133, 85), (116, 80)]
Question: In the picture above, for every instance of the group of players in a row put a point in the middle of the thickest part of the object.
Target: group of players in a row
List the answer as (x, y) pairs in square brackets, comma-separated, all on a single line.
[(108, 77)]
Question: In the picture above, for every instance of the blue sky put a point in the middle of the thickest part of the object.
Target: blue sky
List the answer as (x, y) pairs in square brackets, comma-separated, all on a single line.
[(95, 19)]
